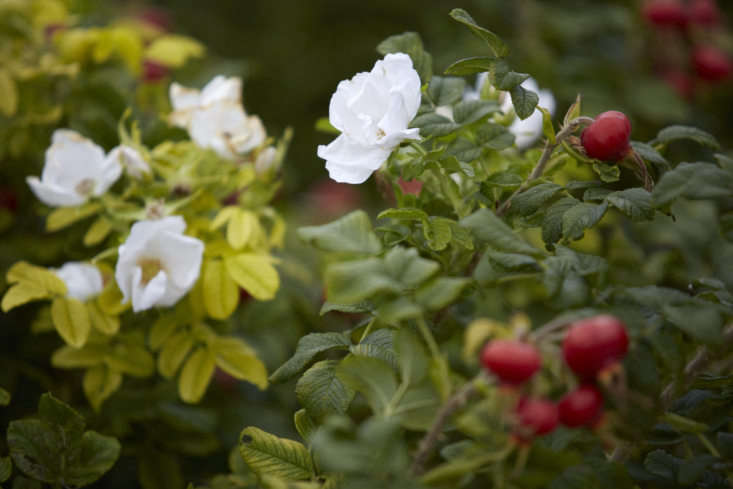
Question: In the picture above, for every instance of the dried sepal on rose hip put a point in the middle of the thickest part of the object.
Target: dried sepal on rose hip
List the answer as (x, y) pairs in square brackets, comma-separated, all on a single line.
[(581, 407), (594, 343), (511, 361), (607, 138)]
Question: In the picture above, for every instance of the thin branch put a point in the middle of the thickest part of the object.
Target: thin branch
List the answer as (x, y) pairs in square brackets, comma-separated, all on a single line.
[(427, 444)]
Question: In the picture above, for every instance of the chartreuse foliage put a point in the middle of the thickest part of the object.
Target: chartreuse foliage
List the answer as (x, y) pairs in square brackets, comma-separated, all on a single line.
[(397, 400)]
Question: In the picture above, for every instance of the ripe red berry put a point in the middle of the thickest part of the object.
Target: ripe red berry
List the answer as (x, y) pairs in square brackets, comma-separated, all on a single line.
[(581, 407), (666, 13), (607, 138), (511, 361), (594, 343), (536, 416), (711, 63), (704, 13), (153, 71)]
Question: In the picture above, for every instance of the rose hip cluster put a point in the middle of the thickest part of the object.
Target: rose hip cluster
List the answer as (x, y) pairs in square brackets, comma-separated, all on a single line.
[(590, 346), (682, 19)]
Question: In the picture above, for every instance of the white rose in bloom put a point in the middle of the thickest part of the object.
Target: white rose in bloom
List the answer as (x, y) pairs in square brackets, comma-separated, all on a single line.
[(131, 160), (157, 263), (215, 117), (527, 131), (83, 281), (372, 111), (75, 169)]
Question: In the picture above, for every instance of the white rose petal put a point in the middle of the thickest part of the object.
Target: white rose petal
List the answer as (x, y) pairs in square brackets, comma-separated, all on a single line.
[(157, 263), (527, 131), (131, 160), (215, 117), (265, 160), (83, 281), (75, 169), (373, 111)]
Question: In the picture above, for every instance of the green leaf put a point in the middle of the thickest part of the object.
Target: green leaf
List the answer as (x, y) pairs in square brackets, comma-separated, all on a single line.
[(99, 384), (662, 464), (71, 320), (552, 224), (489, 228), (446, 90), (162, 329), (6, 468), (158, 469), (497, 45), (470, 66), (693, 181), (676, 133), (221, 294), (132, 359), (506, 79), (308, 347), (524, 101), (432, 124), (411, 44), (438, 232), (379, 345), (240, 361), (4, 399), (174, 351), (650, 154), (196, 375), (30, 283), (701, 323), (581, 217), (373, 378), (411, 356), (350, 234), (8, 94), (470, 111), (532, 199), (242, 226), (268, 454), (66, 216), (255, 274), (607, 172), (321, 392), (404, 213), (634, 202), (440, 292), (356, 281), (494, 136), (99, 230), (408, 267), (97, 455), (360, 308), (70, 357), (304, 424), (399, 309), (102, 322), (174, 51)]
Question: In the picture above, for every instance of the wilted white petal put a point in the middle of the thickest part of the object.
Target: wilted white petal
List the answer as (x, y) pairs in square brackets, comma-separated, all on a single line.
[(183, 100), (130, 159), (373, 111), (83, 281), (158, 264)]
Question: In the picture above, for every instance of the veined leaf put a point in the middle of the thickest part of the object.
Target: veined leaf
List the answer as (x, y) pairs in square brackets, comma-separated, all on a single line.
[(255, 274), (71, 320), (221, 294), (240, 361), (321, 392), (349, 234), (196, 375), (268, 454), (308, 347)]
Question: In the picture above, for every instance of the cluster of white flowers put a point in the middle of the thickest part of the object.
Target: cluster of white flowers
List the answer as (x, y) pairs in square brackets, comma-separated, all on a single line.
[(77, 169), (215, 117), (526, 131), (372, 111)]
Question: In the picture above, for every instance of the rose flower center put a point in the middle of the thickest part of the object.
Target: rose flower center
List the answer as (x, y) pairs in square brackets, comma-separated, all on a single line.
[(150, 267)]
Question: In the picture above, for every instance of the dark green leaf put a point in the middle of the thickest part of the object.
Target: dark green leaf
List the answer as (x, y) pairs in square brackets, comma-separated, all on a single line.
[(4, 397), (634, 202), (411, 44), (470, 111), (524, 101), (489, 228), (446, 90), (532, 199), (440, 292), (374, 379), (494, 136), (351, 234), (497, 46), (662, 464), (411, 356), (675, 133), (470, 66), (6, 468), (581, 217), (432, 124), (694, 181), (506, 79), (321, 392), (308, 347), (552, 225), (98, 454)]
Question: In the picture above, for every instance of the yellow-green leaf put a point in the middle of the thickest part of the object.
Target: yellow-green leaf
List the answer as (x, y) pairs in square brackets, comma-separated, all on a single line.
[(196, 375), (268, 454), (20, 294), (8, 94), (65, 216), (221, 294), (131, 359), (101, 321), (71, 319), (70, 357), (173, 51), (223, 217), (240, 361), (99, 383), (242, 227), (255, 274), (162, 329), (174, 351), (110, 300), (31, 283), (97, 231)]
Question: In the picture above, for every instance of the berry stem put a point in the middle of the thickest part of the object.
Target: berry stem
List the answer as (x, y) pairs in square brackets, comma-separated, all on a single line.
[(454, 403), (539, 168)]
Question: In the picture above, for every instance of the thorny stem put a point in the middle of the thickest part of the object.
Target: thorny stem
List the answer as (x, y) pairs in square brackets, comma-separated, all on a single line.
[(427, 444), (539, 168)]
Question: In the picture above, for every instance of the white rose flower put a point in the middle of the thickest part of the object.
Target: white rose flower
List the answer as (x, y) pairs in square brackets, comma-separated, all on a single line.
[(527, 131), (75, 169), (215, 117), (131, 160), (372, 111), (157, 263), (83, 281)]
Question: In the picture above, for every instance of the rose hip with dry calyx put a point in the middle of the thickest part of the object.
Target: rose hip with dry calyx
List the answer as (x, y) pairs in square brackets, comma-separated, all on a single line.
[(537, 417), (512, 361), (594, 343), (581, 407), (607, 138)]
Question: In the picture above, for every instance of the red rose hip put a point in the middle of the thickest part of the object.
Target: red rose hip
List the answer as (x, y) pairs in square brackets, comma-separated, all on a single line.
[(607, 138), (666, 13), (581, 407), (594, 343), (511, 361), (536, 416), (704, 13), (153, 71), (711, 63)]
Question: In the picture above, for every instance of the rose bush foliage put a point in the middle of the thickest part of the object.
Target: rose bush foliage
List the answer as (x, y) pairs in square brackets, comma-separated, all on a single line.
[(452, 337)]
